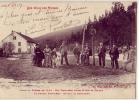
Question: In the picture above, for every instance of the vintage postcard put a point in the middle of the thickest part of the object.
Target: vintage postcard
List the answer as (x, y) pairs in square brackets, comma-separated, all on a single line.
[(68, 50)]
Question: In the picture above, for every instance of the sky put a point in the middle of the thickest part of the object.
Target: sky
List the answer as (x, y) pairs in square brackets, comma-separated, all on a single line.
[(34, 18)]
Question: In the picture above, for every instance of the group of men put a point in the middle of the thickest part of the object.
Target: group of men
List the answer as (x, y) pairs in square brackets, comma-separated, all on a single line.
[(114, 55), (82, 55), (47, 57)]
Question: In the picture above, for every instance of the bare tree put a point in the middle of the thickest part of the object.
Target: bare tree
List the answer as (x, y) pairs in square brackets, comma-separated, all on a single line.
[(8, 48)]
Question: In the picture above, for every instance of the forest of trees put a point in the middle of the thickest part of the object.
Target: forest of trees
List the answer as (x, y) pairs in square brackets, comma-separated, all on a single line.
[(115, 26)]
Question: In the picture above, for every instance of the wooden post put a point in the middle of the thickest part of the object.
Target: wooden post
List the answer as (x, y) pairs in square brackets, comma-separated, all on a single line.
[(83, 40), (93, 32), (93, 50)]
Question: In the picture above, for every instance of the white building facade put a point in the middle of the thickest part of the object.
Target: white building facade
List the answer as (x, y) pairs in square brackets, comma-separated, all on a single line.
[(22, 43)]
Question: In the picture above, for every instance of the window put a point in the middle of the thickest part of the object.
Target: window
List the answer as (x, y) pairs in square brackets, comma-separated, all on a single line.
[(19, 50), (14, 37), (19, 43)]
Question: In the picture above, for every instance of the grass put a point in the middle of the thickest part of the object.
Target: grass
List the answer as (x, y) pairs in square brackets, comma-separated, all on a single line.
[(22, 69)]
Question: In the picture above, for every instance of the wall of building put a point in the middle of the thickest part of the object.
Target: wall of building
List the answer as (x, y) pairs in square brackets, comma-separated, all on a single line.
[(23, 47)]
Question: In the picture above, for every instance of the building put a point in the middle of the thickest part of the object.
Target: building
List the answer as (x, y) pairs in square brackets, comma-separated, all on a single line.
[(21, 42)]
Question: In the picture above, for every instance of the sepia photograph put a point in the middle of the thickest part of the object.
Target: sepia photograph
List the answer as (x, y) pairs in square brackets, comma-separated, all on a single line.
[(68, 50)]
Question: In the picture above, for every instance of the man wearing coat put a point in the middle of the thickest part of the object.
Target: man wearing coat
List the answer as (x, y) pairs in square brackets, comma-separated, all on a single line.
[(64, 53), (39, 56), (114, 54), (101, 54), (76, 51)]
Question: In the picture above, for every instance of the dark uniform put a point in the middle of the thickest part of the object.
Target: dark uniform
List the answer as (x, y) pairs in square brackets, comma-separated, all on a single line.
[(114, 54), (39, 56), (101, 55), (76, 51)]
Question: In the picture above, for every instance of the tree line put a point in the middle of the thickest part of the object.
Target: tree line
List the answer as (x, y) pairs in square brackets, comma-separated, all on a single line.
[(115, 26)]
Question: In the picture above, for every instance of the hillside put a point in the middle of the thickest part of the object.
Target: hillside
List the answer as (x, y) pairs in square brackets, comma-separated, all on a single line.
[(60, 35)]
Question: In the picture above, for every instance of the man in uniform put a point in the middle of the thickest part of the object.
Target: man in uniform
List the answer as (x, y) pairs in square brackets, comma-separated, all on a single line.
[(101, 54), (39, 56), (86, 55), (76, 51), (64, 53), (114, 54)]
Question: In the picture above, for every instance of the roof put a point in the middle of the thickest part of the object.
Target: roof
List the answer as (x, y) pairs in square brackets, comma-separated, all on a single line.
[(30, 40)]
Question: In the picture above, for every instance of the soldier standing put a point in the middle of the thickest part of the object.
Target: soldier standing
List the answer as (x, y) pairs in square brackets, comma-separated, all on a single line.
[(39, 56), (63, 49), (101, 54), (114, 54), (86, 55), (76, 51)]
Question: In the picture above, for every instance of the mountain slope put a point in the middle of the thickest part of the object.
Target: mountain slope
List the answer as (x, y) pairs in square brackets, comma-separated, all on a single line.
[(59, 35)]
